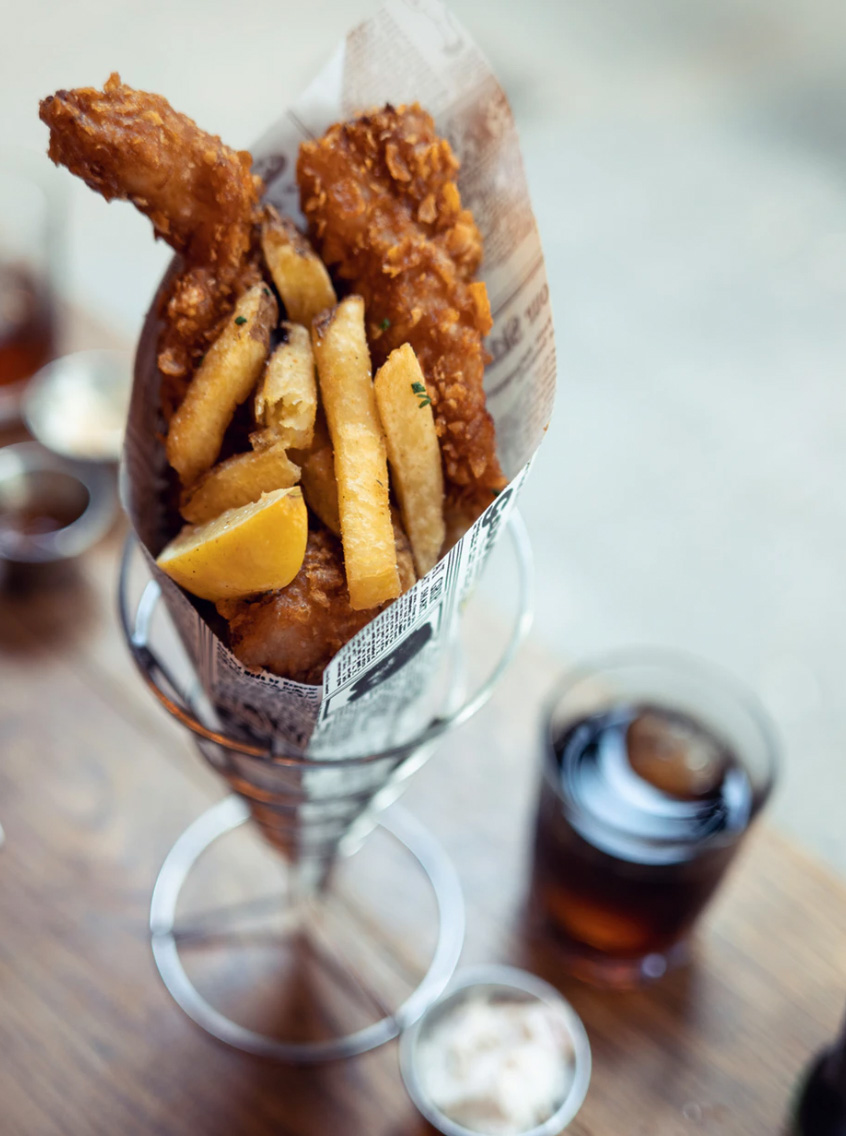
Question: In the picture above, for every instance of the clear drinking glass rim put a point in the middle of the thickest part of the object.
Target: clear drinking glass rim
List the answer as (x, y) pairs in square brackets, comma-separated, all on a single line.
[(665, 658)]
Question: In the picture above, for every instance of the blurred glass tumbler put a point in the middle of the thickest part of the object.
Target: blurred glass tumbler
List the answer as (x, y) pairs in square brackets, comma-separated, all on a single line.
[(654, 767), (27, 247)]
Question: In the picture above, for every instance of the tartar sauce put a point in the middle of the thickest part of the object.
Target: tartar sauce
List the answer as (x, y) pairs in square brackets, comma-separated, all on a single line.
[(496, 1066)]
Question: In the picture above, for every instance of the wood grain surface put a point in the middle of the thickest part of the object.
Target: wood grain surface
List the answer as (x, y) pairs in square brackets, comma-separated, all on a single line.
[(96, 783)]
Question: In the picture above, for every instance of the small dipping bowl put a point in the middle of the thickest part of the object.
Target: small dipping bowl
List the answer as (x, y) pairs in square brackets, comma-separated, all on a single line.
[(426, 1055), (51, 510), (77, 405)]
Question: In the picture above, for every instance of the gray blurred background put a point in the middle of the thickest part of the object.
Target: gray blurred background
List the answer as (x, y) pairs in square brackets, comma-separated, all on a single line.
[(688, 168)]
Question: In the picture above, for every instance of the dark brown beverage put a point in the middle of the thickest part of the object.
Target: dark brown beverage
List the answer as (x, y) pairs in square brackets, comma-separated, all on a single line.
[(641, 810), (26, 325)]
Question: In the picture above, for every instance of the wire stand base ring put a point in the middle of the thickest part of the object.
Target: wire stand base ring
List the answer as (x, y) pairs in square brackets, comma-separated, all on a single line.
[(228, 815)]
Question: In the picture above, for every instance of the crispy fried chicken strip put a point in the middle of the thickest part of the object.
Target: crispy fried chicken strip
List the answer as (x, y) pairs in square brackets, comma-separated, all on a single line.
[(199, 194), (296, 631), (383, 208)]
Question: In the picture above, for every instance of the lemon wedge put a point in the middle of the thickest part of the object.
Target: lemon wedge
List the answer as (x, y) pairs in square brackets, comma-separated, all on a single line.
[(256, 548)]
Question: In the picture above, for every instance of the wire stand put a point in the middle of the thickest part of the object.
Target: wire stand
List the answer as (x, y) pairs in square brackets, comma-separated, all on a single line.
[(229, 814), (303, 910)]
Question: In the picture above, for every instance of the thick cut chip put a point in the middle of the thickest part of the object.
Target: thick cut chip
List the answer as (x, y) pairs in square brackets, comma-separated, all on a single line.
[(257, 548), (225, 378), (414, 453), (298, 272), (361, 467), (238, 481), (286, 400), (317, 465)]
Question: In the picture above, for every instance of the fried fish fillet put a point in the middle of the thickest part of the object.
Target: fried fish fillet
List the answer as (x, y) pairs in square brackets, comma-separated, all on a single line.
[(295, 632), (381, 200), (199, 194), (384, 210)]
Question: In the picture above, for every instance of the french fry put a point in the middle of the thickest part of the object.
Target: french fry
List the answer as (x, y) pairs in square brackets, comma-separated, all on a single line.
[(414, 453), (238, 481), (223, 380), (286, 399), (361, 468), (405, 557), (298, 272), (320, 488)]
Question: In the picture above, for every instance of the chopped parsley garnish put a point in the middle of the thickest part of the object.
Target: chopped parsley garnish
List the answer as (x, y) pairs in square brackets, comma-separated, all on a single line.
[(421, 392), (266, 291), (240, 319), (385, 324)]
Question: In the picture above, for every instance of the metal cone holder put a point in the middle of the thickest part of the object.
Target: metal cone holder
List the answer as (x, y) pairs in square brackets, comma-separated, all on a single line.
[(316, 811)]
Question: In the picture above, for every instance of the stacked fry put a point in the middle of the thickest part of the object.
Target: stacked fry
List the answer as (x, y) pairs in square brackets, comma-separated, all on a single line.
[(312, 491)]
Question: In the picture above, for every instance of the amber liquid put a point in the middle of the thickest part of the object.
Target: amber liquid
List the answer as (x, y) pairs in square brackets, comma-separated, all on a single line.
[(27, 331), (640, 812)]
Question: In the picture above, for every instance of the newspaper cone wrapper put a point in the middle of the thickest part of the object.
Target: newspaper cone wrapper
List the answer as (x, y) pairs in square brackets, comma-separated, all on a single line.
[(389, 681)]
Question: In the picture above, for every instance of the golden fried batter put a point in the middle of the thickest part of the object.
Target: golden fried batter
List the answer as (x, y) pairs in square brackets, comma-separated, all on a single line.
[(200, 195), (295, 632), (382, 203), (384, 210)]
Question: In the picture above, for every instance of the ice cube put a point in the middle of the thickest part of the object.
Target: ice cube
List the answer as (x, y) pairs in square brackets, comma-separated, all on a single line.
[(675, 755)]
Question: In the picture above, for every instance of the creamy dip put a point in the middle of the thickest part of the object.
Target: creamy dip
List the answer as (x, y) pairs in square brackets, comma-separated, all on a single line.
[(497, 1066)]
